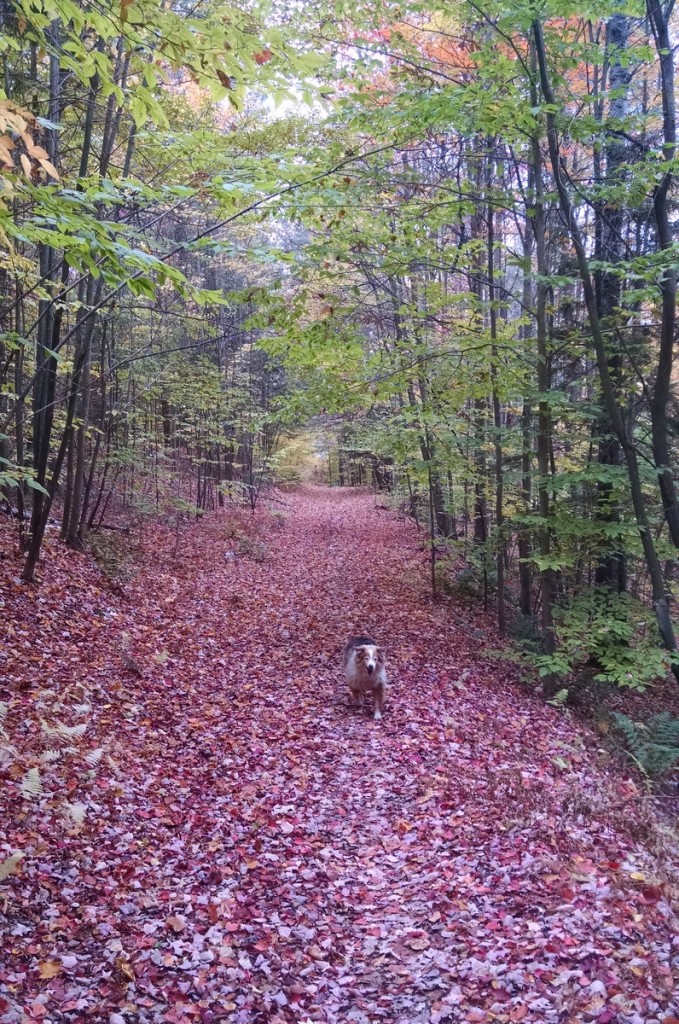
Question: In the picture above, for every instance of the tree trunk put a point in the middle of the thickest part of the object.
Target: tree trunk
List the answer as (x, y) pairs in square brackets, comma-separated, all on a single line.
[(660, 602)]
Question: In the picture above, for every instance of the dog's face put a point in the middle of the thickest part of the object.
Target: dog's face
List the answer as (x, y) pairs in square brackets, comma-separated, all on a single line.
[(369, 656)]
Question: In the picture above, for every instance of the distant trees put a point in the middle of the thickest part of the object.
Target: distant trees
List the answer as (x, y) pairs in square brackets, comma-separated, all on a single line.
[(124, 366), (509, 273)]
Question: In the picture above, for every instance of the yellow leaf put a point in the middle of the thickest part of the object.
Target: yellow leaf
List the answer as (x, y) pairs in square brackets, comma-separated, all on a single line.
[(26, 164), (49, 968), (10, 865), (50, 168)]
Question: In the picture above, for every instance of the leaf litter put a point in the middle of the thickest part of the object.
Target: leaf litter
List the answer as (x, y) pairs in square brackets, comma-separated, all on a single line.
[(244, 846)]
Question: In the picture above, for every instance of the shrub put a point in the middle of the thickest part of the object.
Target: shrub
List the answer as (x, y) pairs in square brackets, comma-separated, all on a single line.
[(612, 633)]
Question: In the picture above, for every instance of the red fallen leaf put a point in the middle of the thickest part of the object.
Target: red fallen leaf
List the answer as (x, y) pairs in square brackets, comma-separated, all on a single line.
[(420, 943), (518, 1012)]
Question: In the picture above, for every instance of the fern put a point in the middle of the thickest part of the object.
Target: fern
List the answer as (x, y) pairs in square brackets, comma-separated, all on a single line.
[(93, 757), (31, 784), (629, 732), (664, 730), (65, 732), (49, 756), (8, 755), (74, 813), (654, 745), (559, 699)]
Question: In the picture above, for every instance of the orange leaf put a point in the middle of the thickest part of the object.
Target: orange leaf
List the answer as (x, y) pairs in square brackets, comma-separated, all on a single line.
[(263, 56)]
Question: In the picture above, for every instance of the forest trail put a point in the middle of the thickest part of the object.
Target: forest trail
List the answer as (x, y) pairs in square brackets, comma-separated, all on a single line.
[(260, 852)]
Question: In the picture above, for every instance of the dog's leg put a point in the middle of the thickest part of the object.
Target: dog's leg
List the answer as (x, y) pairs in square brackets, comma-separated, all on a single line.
[(356, 696), (378, 697)]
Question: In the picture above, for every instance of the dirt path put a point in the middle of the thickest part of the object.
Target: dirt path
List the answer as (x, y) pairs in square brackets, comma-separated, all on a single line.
[(260, 852)]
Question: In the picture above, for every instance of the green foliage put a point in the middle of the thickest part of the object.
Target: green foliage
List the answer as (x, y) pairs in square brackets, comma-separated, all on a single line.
[(614, 634), (12, 476), (652, 745)]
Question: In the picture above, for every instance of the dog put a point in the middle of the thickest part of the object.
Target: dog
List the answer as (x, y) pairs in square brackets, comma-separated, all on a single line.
[(364, 668)]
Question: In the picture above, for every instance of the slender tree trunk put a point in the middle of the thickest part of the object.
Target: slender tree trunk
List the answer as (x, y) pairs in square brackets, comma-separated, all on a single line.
[(527, 333), (544, 431), (611, 569), (659, 17), (660, 602), (497, 412)]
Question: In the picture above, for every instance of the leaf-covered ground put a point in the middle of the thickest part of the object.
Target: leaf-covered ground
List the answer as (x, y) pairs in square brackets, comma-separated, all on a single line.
[(218, 836)]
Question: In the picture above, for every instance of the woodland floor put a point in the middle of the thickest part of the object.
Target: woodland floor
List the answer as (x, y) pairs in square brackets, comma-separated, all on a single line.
[(254, 850)]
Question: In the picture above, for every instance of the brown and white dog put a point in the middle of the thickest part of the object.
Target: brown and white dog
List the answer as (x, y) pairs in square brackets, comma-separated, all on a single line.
[(364, 668)]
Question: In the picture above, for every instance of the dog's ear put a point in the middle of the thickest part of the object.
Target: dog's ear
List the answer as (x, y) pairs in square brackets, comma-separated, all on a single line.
[(381, 657)]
